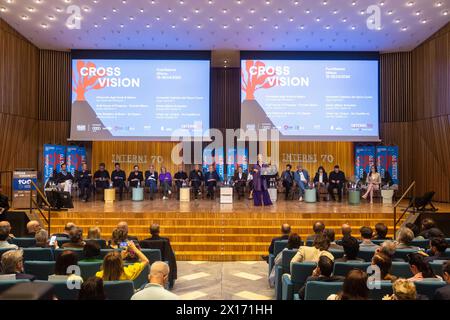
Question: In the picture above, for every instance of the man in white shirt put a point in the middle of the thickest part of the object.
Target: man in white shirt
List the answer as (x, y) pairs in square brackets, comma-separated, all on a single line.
[(301, 177), (158, 278)]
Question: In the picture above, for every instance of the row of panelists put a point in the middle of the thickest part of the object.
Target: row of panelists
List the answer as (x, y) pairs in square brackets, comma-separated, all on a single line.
[(255, 181)]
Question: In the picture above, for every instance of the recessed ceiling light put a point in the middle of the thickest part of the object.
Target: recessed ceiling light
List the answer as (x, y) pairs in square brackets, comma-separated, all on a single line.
[(211, 19), (104, 18), (86, 9), (353, 27), (438, 4), (147, 26), (225, 26), (238, 18), (44, 25), (224, 10), (318, 19), (335, 11), (423, 21), (328, 27), (199, 26), (418, 13), (158, 18), (354, 3), (445, 13), (31, 9), (276, 26), (390, 12), (410, 3), (141, 10), (196, 10), (307, 11), (280, 11), (185, 18), (250, 26), (174, 26), (24, 17), (252, 10), (291, 19), (2, 9), (264, 18), (302, 27), (51, 17), (131, 18), (344, 19), (397, 21), (404, 28), (114, 10)]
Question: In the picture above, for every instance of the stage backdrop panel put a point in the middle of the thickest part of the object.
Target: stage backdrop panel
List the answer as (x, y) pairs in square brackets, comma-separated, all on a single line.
[(313, 154), (129, 153)]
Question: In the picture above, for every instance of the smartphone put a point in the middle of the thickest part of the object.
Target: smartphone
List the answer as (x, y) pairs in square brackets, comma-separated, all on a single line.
[(123, 245), (52, 241)]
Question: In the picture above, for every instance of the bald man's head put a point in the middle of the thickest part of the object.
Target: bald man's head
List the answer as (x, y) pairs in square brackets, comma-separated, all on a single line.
[(159, 273), (285, 229), (123, 225), (318, 227), (5, 224), (346, 230), (69, 226), (33, 226)]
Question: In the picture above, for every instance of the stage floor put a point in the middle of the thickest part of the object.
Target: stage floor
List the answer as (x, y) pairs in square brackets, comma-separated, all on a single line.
[(205, 230)]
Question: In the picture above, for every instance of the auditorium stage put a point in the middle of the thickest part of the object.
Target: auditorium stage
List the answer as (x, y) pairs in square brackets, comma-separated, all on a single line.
[(206, 230)]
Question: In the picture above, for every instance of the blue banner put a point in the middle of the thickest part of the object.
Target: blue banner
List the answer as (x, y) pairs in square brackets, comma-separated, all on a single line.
[(54, 155), (242, 158), (231, 162), (74, 158), (387, 160), (220, 163), (364, 159), (23, 184)]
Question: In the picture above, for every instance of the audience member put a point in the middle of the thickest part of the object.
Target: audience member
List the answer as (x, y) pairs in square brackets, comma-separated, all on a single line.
[(354, 287), (94, 233), (33, 226), (351, 250), (415, 229), (113, 268), (444, 292), (405, 236), (92, 289), (402, 290), (42, 240), (155, 289), (366, 237), (323, 272), (167, 253), (4, 236), (346, 230), (329, 233), (7, 225), (318, 228), (76, 239), (437, 248), (384, 263), (91, 252), (430, 230), (119, 236), (285, 232), (312, 254), (12, 263), (64, 268), (381, 231), (388, 248), (67, 228), (294, 242), (421, 269), (123, 225)]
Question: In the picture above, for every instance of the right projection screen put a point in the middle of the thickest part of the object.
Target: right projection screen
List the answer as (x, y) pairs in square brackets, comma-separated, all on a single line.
[(312, 100)]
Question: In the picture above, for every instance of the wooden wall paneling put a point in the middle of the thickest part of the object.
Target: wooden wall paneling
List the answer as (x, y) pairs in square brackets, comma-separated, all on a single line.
[(225, 98)]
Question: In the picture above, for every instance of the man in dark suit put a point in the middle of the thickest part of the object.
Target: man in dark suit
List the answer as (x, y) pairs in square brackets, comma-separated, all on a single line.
[(167, 253), (429, 229), (444, 292), (318, 228), (287, 178), (323, 273), (4, 203), (118, 178), (240, 180), (437, 248), (336, 181), (135, 178), (196, 179), (285, 232), (101, 179), (180, 179), (84, 180)]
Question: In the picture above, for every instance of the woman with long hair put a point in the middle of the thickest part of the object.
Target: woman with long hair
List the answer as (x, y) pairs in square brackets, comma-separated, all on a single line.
[(354, 287), (420, 268), (384, 263), (374, 181)]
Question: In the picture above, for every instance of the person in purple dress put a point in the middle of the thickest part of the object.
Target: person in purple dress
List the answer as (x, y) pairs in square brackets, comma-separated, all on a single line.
[(260, 184), (165, 181)]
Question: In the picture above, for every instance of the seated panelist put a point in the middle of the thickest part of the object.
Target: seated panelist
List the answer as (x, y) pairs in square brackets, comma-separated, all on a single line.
[(64, 179), (301, 177), (320, 180), (336, 180), (151, 180), (287, 178), (101, 179), (84, 180), (135, 178), (239, 181), (211, 178), (118, 178), (165, 181), (196, 179), (180, 179)]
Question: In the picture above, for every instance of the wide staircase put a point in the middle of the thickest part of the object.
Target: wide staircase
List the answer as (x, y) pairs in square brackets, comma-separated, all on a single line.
[(216, 236)]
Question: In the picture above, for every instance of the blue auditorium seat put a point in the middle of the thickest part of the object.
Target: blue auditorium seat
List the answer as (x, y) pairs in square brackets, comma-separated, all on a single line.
[(101, 242), (61, 241), (24, 242), (428, 287), (401, 269), (337, 253), (436, 265), (89, 269), (377, 241), (380, 289), (293, 282), (342, 268), (320, 290), (286, 258), (6, 284), (38, 254), (118, 290), (152, 254), (424, 244), (62, 291), (366, 254), (402, 253), (40, 269), (278, 246)]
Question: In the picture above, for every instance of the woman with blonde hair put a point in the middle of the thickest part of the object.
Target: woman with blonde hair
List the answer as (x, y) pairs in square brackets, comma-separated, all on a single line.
[(113, 268), (403, 290), (93, 233), (384, 263)]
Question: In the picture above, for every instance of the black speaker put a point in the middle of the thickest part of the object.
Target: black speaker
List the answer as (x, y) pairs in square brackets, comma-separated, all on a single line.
[(59, 199)]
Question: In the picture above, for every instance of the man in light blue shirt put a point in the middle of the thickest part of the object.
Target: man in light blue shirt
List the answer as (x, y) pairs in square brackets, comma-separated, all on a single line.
[(158, 278), (301, 177)]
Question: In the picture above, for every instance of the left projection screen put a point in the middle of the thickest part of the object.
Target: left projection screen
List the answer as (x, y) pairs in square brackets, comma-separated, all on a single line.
[(139, 99)]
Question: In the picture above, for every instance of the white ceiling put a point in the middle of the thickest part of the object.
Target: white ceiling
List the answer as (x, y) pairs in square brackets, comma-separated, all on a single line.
[(227, 24)]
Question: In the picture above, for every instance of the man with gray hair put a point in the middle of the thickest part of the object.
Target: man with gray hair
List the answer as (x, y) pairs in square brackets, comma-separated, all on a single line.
[(123, 225), (66, 233), (33, 226), (4, 236), (388, 248), (405, 236), (12, 264), (158, 278)]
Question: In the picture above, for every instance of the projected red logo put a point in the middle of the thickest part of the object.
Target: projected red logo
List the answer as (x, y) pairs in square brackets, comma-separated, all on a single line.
[(83, 81), (253, 79)]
